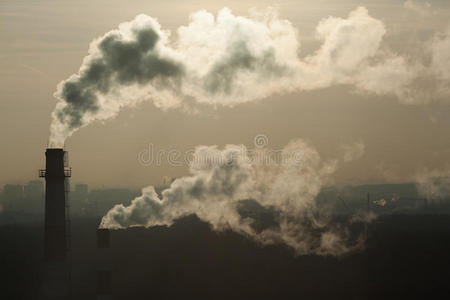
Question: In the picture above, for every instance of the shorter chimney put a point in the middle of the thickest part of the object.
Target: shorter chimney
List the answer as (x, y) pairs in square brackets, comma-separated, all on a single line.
[(103, 238), (104, 277)]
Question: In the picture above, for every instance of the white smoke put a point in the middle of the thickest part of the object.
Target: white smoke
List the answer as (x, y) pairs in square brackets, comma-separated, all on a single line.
[(440, 50), (433, 185), (353, 151), (225, 60), (419, 7), (220, 179), (380, 202)]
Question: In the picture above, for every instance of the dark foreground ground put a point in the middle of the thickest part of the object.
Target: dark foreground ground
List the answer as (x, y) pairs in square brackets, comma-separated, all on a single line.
[(406, 257)]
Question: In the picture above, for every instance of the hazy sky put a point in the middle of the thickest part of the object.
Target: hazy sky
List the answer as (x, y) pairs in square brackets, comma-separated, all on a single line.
[(44, 42)]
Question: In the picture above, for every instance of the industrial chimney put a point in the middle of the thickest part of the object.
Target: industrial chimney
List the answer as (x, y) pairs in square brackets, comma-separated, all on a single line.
[(56, 277), (104, 265)]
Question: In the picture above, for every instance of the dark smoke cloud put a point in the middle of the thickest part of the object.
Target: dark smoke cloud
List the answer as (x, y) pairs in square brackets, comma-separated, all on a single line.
[(221, 77), (118, 61)]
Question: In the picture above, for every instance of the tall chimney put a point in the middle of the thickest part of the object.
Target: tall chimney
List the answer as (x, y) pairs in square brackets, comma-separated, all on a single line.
[(56, 281)]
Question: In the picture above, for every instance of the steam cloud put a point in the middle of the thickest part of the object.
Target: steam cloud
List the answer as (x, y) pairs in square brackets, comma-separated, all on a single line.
[(353, 151), (433, 185), (419, 7), (228, 59), (221, 178)]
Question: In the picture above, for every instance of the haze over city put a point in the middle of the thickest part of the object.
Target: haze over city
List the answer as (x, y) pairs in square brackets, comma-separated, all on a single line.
[(296, 134)]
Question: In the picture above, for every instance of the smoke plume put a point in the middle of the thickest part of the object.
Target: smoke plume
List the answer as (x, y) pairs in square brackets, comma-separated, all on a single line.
[(220, 179), (353, 151), (225, 60), (433, 185), (419, 7)]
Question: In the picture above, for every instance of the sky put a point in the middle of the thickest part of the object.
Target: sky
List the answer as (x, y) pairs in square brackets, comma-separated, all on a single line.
[(44, 42)]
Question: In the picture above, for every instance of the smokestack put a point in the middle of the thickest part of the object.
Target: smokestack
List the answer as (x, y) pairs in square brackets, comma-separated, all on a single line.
[(55, 173), (104, 277), (56, 284)]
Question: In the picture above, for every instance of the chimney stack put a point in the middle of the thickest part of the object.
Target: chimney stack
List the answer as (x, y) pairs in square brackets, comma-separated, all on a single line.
[(104, 277), (56, 283)]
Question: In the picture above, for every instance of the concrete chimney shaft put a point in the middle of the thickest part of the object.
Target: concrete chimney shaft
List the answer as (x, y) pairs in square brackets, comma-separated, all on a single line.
[(55, 206)]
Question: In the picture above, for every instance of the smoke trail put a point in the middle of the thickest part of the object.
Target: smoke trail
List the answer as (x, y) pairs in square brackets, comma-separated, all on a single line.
[(433, 185), (221, 178), (133, 56), (353, 151), (223, 61), (420, 8), (440, 54)]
